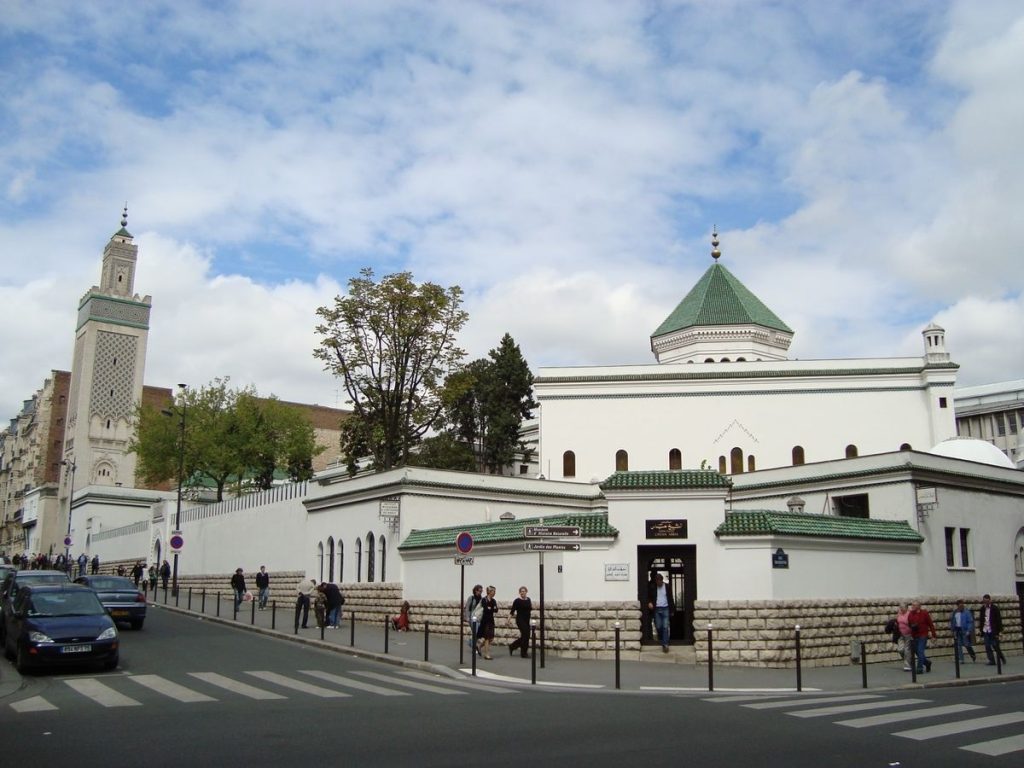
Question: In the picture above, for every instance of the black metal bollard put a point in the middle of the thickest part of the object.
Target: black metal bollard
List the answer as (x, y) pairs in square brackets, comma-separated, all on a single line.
[(352, 629), (533, 651), (177, 597), (956, 657), (618, 630), (426, 640), (999, 654), (165, 595), (323, 626), (298, 611), (799, 671), (190, 598), (863, 664), (387, 629), (472, 654), (203, 604), (711, 661), (273, 614), (913, 660), (218, 605), (252, 602)]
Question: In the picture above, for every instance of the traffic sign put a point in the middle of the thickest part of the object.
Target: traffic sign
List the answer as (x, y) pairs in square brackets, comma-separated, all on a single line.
[(554, 531), (177, 541), (463, 560), (464, 543), (67, 541), (549, 546)]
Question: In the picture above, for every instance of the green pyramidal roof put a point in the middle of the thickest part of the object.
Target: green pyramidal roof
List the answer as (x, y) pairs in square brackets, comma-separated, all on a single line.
[(719, 298), (762, 522)]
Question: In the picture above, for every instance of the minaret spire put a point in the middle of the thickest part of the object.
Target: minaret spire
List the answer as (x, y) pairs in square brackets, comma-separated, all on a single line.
[(715, 253), (124, 215)]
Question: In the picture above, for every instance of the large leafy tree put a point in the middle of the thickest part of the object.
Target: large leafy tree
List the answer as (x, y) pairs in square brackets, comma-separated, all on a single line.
[(223, 435), (392, 344)]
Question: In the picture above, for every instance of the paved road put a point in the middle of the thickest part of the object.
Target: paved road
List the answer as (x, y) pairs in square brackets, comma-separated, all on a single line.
[(194, 692)]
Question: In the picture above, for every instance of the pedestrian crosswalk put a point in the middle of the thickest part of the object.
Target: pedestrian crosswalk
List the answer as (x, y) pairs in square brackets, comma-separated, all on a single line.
[(134, 690), (892, 711)]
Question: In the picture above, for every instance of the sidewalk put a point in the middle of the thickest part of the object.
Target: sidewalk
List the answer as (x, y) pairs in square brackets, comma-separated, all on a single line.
[(440, 654)]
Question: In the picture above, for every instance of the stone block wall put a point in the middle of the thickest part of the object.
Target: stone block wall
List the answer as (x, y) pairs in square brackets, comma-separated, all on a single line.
[(761, 633)]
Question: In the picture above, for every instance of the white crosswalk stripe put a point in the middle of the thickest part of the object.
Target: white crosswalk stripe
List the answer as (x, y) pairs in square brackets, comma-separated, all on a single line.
[(808, 702), (862, 707), (997, 747), (299, 685), (169, 688), (101, 693), (359, 685), (899, 717), (961, 726), (236, 686), (33, 704), (411, 684), (457, 683)]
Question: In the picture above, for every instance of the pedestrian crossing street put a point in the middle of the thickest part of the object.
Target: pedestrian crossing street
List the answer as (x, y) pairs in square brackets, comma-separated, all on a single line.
[(867, 710), (130, 690)]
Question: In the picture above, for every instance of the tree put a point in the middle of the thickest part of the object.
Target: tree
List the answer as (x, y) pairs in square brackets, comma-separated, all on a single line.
[(229, 435), (392, 343)]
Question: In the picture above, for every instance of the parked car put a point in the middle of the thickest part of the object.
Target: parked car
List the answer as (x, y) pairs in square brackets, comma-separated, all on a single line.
[(53, 625), (119, 596), (14, 580)]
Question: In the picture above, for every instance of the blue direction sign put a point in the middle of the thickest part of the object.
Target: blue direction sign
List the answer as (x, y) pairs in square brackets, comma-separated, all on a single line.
[(464, 543)]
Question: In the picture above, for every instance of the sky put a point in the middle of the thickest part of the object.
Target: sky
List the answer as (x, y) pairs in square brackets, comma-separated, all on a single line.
[(563, 162)]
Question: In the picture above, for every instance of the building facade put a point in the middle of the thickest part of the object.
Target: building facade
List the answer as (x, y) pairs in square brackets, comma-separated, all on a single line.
[(994, 413)]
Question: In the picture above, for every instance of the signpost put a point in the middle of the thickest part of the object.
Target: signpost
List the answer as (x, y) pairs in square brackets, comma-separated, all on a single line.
[(463, 545), (540, 547)]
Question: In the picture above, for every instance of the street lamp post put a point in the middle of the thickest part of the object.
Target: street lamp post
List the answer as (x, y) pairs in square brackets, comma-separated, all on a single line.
[(181, 479), (70, 464)]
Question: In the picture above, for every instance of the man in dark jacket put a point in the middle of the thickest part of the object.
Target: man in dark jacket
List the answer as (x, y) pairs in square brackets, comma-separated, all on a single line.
[(661, 606), (334, 602), (921, 628), (238, 585), (990, 622), (263, 585)]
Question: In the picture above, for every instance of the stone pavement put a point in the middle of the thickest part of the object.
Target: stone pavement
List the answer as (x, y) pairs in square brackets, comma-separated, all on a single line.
[(440, 654)]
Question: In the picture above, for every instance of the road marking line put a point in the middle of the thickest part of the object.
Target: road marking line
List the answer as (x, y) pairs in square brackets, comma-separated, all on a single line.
[(825, 711), (897, 717), (298, 685), (491, 676), (411, 684), (962, 726), (235, 686), (101, 693), (807, 702), (34, 704), (171, 689), (458, 683), (359, 685), (726, 696), (997, 747)]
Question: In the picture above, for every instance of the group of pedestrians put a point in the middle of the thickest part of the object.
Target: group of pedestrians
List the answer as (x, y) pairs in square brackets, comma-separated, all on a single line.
[(262, 587), (326, 600), (913, 626), (480, 612)]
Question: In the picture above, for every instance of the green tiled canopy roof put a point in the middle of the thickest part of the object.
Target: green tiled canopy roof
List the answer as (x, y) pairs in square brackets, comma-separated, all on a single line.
[(761, 522), (681, 478), (502, 531), (719, 298)]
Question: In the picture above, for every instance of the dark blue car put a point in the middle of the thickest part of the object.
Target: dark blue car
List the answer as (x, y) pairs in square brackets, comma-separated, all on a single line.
[(59, 625), (119, 596)]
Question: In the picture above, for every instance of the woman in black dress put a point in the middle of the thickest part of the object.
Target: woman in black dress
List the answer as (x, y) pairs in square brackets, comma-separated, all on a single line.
[(521, 609), (487, 622)]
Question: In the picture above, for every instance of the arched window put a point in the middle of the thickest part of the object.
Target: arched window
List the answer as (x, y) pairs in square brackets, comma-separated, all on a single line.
[(709, 359), (330, 558), (621, 461), (725, 359), (341, 561), (370, 557), (736, 461), (320, 560), (383, 558), (750, 463), (721, 465), (851, 451), (568, 464), (359, 560), (741, 359), (906, 447), (798, 455), (675, 459)]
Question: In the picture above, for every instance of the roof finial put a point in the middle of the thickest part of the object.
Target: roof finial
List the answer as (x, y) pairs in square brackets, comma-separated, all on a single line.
[(124, 215), (715, 253)]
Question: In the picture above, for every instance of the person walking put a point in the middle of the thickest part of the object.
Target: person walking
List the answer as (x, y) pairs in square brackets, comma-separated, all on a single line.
[(659, 603), (238, 585), (263, 585), (487, 622), (83, 560), (152, 577), (990, 621), (302, 602), (961, 624), (521, 609), (137, 571), (95, 565), (165, 573), (473, 612), (921, 628), (906, 637)]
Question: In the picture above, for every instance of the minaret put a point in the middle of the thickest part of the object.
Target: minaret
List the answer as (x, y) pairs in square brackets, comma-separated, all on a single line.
[(107, 371)]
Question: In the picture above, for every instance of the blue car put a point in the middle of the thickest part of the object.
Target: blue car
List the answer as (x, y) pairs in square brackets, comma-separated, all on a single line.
[(119, 596), (59, 625)]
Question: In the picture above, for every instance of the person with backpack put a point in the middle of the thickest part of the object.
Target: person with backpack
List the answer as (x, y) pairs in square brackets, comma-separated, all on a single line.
[(473, 613)]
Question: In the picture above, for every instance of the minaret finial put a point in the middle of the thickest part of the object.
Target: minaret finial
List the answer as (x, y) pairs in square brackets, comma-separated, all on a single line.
[(124, 215), (715, 253)]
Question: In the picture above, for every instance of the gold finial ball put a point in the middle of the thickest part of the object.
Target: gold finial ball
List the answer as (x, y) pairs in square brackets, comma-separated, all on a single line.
[(715, 253)]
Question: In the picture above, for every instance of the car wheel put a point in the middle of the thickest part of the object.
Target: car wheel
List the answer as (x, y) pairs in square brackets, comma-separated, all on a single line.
[(137, 624), (111, 663), (21, 662)]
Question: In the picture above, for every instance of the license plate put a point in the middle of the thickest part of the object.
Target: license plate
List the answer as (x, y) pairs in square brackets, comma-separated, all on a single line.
[(119, 613), (76, 649)]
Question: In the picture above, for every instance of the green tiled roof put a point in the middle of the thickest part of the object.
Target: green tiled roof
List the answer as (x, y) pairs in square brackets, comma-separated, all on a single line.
[(761, 522), (719, 298), (591, 525), (682, 478)]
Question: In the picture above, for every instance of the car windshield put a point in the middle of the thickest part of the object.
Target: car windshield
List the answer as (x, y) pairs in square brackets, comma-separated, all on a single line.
[(64, 604), (110, 582)]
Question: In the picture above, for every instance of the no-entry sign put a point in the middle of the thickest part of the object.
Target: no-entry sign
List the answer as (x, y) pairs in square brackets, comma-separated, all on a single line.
[(464, 543)]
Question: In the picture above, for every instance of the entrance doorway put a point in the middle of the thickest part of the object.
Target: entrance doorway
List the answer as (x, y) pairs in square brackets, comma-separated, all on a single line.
[(678, 565)]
